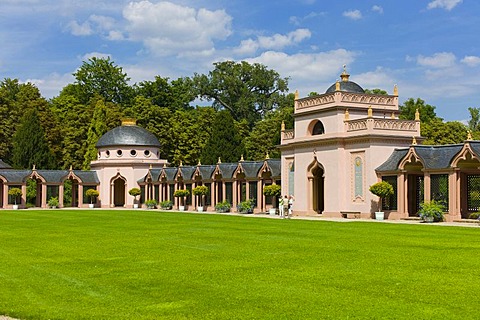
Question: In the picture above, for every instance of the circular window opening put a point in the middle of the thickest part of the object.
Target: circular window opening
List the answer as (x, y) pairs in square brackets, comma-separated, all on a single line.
[(119, 153), (147, 153), (133, 153), (107, 153)]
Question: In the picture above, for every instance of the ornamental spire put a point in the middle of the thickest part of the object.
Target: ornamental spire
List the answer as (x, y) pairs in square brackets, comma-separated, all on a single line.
[(344, 76)]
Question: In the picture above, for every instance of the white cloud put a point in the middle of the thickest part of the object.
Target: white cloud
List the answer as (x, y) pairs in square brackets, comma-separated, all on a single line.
[(438, 60), (471, 61), (444, 4), (77, 29), (95, 55), (377, 8), (353, 14), (276, 42), (310, 72), (167, 28), (298, 20), (50, 84)]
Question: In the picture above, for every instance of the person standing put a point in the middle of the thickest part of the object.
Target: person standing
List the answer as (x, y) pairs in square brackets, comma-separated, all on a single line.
[(290, 206), (281, 207)]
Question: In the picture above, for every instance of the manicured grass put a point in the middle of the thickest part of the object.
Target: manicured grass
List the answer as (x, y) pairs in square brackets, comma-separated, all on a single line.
[(99, 264)]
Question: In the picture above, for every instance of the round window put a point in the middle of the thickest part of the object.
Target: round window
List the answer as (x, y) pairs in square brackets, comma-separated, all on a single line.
[(107, 153), (133, 153), (119, 153), (146, 153)]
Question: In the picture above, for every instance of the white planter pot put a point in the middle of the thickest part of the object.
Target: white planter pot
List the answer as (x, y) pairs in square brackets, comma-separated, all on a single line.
[(181, 208), (379, 215), (200, 209), (15, 207), (91, 205), (272, 211), (135, 206)]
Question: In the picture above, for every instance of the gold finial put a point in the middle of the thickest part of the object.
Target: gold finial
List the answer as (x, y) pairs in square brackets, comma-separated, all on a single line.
[(267, 156), (414, 141), (344, 74), (34, 168), (129, 122), (370, 112), (469, 135), (199, 164), (337, 86), (181, 163), (164, 164), (347, 115), (417, 115), (241, 158), (151, 167), (393, 115), (71, 168), (219, 160), (283, 126), (395, 90), (296, 94)]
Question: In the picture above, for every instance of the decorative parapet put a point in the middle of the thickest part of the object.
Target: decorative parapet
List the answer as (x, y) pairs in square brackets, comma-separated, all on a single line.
[(348, 99), (383, 124), (287, 134)]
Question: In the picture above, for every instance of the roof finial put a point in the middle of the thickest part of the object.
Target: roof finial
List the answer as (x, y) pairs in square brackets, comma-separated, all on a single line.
[(267, 156), (337, 86), (469, 135), (181, 163), (283, 126), (219, 160), (414, 141), (241, 158), (151, 167), (370, 112), (347, 115), (199, 163), (34, 168), (417, 115), (395, 90), (296, 94), (71, 168), (344, 74)]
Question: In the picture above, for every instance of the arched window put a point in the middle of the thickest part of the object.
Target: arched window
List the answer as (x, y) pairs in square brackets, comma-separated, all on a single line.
[(318, 128)]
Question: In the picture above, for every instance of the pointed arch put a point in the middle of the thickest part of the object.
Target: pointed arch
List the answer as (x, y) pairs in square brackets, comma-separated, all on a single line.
[(316, 186), (467, 154), (118, 190), (410, 159)]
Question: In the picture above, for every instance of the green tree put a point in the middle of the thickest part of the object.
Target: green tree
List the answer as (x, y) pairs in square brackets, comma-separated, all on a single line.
[(29, 144), (474, 122), (376, 91), (247, 91), (409, 108), (9, 116), (439, 132), (225, 141), (101, 76), (97, 128)]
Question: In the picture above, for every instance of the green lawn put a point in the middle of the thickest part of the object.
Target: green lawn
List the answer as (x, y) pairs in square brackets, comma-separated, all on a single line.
[(102, 264)]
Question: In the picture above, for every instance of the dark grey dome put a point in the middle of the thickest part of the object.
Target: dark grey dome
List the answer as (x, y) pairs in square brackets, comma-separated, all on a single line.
[(128, 135), (346, 86)]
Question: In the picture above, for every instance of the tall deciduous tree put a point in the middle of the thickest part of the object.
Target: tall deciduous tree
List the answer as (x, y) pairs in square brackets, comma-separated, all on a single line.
[(101, 76), (29, 144), (439, 132), (247, 91), (97, 128), (409, 107), (225, 141), (474, 122)]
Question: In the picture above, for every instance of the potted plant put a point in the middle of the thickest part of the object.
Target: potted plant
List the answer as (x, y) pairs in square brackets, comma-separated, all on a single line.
[(201, 192), (431, 211), (15, 193), (92, 194), (382, 190), (166, 205), (151, 204), (53, 202), (246, 206), (181, 193), (274, 191), (135, 192), (223, 206)]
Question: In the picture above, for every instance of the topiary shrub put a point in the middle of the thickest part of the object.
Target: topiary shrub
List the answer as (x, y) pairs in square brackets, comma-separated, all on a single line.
[(382, 190), (92, 194)]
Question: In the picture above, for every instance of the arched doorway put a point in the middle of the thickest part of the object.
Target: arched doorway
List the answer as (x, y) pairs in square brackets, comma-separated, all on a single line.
[(316, 179), (119, 192)]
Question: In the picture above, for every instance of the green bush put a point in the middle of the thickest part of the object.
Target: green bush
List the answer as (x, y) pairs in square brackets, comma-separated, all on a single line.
[(135, 192), (91, 194), (200, 191), (152, 203), (180, 193), (474, 215), (272, 190), (166, 204), (382, 190), (223, 206), (431, 209), (246, 206), (15, 193), (53, 202)]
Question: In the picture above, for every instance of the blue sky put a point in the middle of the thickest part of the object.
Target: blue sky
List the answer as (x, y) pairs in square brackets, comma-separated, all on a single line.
[(430, 48)]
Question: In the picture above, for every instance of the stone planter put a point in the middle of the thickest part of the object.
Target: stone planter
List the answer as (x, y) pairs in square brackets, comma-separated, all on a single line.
[(181, 208), (272, 211), (379, 215), (15, 207), (135, 206), (428, 219), (200, 209), (91, 205)]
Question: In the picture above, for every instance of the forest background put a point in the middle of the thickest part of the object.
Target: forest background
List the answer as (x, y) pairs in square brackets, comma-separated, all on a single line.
[(248, 103)]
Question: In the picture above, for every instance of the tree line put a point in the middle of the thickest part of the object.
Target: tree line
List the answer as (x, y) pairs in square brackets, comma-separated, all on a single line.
[(247, 104)]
